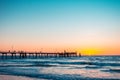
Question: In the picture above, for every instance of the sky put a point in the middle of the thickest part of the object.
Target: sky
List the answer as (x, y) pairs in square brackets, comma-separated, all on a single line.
[(91, 27)]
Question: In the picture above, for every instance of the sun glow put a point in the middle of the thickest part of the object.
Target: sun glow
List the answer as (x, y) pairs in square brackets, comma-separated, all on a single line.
[(90, 51)]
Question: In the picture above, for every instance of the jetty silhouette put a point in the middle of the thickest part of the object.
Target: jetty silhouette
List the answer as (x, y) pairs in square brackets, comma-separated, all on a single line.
[(23, 54)]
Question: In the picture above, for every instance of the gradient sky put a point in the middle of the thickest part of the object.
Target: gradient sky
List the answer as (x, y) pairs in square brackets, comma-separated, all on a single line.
[(86, 26)]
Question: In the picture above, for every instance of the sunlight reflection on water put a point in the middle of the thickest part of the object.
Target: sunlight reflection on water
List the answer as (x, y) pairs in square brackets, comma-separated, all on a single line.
[(79, 68), (81, 72)]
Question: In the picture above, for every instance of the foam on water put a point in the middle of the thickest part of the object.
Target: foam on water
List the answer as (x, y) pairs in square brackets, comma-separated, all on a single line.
[(91, 68)]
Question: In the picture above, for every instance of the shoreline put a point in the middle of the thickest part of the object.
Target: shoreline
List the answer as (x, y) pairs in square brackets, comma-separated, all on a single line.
[(13, 77)]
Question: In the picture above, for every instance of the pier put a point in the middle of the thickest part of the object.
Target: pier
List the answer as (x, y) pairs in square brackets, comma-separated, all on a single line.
[(22, 54)]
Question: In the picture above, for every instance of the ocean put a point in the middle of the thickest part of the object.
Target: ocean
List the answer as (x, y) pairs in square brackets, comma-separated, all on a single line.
[(63, 68)]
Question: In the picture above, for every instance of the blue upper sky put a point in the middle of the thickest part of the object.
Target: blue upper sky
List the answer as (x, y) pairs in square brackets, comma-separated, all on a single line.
[(76, 23)]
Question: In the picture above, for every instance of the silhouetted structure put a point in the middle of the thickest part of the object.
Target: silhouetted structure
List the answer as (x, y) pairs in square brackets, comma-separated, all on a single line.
[(22, 54)]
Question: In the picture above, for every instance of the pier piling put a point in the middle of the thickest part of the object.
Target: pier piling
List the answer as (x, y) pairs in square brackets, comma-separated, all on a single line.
[(22, 54)]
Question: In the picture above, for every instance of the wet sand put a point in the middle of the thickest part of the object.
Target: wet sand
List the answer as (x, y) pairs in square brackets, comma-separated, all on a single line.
[(10, 77)]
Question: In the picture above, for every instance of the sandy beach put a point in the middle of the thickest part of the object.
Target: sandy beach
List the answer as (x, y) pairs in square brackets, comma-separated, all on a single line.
[(10, 77)]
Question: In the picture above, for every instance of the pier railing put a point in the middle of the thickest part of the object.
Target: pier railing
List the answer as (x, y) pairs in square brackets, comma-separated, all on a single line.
[(13, 55)]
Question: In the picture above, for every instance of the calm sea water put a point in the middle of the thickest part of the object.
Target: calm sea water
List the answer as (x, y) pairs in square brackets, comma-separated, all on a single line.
[(74, 68)]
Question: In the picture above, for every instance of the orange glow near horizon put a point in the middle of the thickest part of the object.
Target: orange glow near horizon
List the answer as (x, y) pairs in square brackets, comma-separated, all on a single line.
[(90, 51), (86, 27)]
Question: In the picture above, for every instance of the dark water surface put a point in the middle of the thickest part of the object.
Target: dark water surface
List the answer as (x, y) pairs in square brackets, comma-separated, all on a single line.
[(74, 68)]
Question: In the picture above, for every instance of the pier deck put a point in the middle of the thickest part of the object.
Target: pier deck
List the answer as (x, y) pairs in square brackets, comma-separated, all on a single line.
[(13, 55)]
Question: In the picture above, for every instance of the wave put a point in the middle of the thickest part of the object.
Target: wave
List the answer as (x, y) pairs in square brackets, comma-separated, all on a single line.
[(56, 63), (33, 68)]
